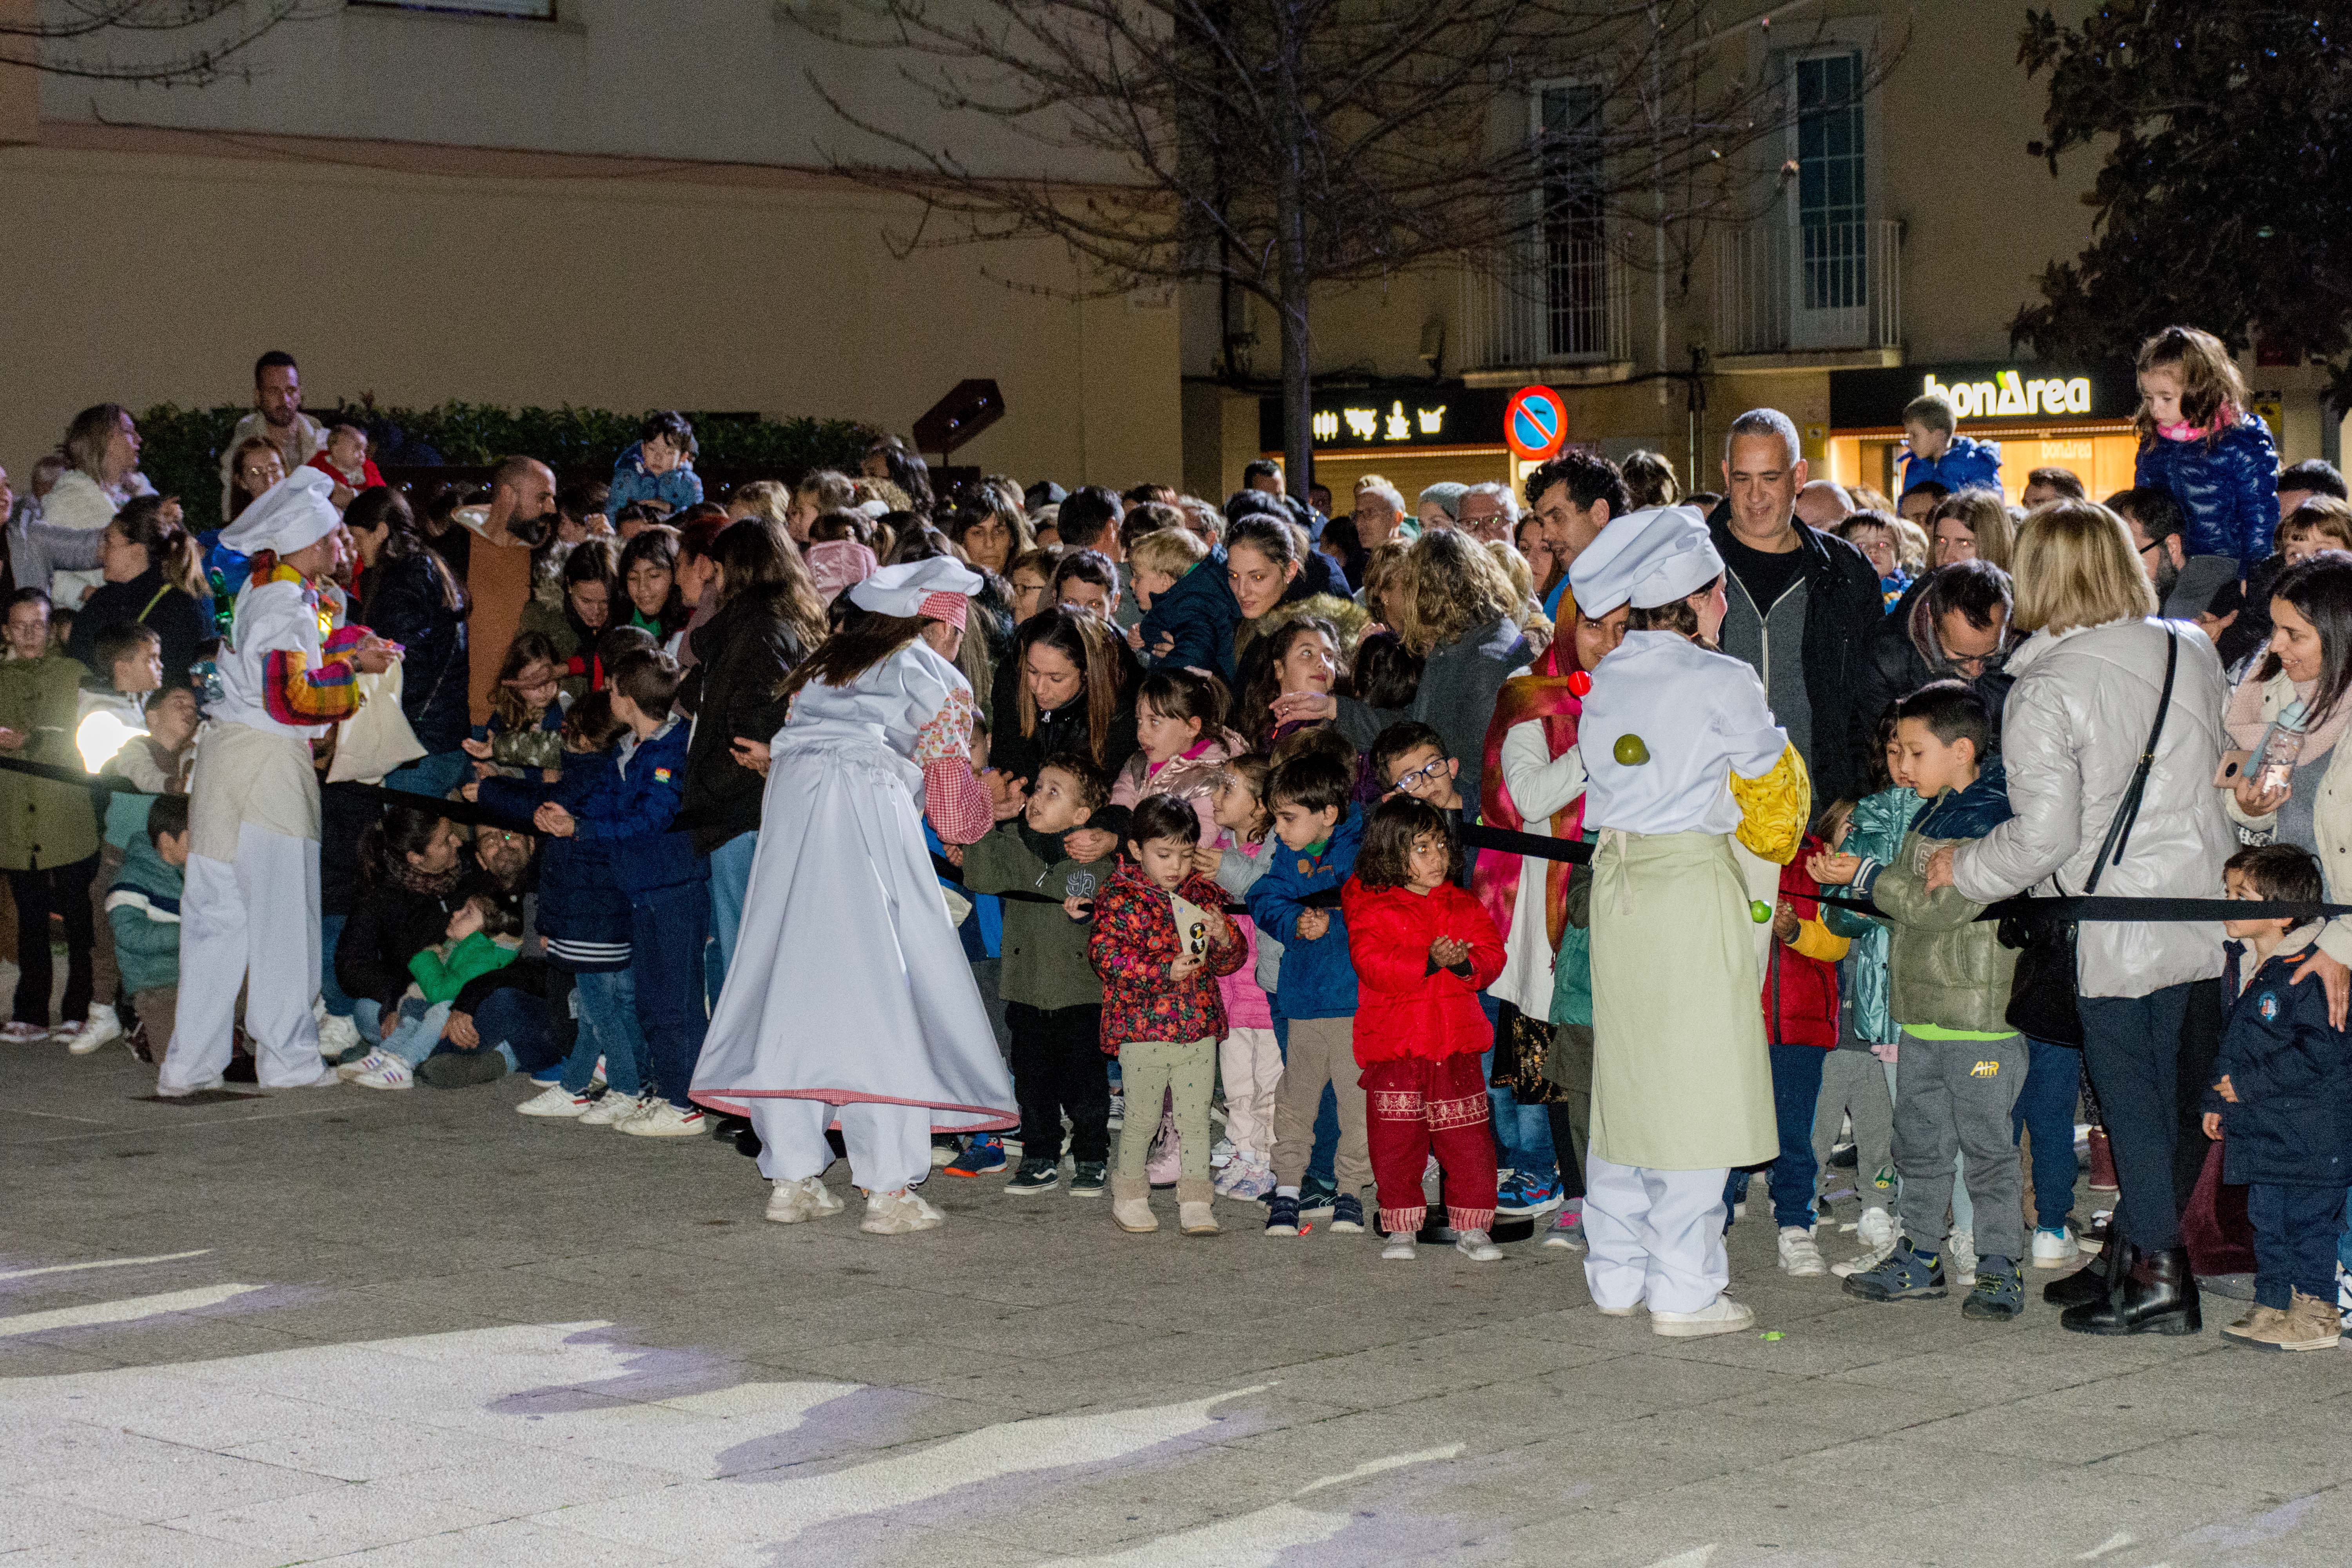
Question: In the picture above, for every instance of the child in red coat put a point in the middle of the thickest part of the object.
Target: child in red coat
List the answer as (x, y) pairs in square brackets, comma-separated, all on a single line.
[(1161, 939), (1423, 949)]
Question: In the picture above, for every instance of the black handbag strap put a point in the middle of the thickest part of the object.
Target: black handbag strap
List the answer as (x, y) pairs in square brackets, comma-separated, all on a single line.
[(2111, 851)]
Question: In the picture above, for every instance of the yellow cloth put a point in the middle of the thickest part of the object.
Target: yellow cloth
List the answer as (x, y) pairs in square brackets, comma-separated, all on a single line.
[(1815, 940), (1775, 808)]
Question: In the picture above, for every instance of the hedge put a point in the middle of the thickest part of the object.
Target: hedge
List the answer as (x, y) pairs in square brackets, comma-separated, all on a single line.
[(181, 447)]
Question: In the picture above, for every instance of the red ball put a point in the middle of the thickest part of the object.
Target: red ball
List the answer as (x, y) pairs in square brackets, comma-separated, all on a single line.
[(1579, 682)]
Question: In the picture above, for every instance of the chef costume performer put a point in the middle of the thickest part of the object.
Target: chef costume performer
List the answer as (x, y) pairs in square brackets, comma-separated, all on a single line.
[(850, 1002), (249, 914), (1682, 754)]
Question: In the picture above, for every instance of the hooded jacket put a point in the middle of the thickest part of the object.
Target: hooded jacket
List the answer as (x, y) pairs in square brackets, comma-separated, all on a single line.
[(1965, 462), (1844, 610), (678, 489), (1905, 654), (1946, 968), (2077, 720), (142, 909), (1318, 979), (1199, 612), (2227, 488), (1801, 987), (1407, 1006), (1876, 833), (2292, 1072)]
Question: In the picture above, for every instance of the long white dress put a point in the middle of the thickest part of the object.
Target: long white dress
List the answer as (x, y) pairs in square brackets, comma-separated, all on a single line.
[(848, 984)]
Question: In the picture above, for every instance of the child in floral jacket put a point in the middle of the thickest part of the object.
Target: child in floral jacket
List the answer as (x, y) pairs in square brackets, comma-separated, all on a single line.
[(1160, 940)]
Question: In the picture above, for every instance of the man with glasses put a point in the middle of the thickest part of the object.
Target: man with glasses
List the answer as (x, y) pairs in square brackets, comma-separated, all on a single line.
[(2184, 584), (277, 417), (1380, 515), (1958, 628)]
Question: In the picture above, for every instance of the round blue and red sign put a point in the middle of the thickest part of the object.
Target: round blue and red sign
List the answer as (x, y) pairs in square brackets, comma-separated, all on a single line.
[(1535, 423)]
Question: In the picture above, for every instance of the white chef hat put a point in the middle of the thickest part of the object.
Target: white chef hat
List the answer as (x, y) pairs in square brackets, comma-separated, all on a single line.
[(295, 513), (1644, 559), (940, 589)]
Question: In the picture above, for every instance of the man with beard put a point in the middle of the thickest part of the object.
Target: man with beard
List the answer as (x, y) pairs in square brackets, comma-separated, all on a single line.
[(1954, 627), (2184, 584), (498, 541), (1573, 497), (277, 417)]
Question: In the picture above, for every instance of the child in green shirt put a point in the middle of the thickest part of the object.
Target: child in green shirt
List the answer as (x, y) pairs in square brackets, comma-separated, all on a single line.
[(484, 934)]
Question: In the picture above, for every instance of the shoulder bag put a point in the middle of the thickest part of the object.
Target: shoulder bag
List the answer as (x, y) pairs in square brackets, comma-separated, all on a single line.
[(2042, 998)]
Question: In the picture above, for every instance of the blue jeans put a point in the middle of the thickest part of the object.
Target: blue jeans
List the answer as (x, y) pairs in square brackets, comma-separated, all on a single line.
[(2046, 1105), (419, 1029), (368, 1014), (330, 931), (667, 932), (606, 1001), (517, 1024), (435, 775), (1796, 1093), (731, 875), (2296, 1240)]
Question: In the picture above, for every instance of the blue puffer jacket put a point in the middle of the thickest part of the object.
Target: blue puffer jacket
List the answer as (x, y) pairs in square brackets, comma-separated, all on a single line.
[(2229, 489), (631, 819), (680, 487), (1201, 612), (1966, 461), (580, 907), (1319, 978), (1880, 821), (2292, 1125)]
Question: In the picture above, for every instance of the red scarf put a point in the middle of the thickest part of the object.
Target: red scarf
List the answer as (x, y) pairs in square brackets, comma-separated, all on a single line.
[(1543, 696)]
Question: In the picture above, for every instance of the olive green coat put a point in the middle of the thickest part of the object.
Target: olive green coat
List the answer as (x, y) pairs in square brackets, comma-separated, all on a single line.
[(43, 823)]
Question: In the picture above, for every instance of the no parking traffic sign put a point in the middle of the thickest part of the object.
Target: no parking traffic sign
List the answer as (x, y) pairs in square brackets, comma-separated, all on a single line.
[(1535, 423)]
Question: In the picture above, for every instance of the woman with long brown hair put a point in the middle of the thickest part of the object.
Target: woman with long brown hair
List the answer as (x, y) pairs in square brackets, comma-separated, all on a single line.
[(853, 1003)]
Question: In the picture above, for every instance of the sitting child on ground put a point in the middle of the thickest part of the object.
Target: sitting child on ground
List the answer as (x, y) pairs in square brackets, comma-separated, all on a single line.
[(142, 909), (484, 933), (1423, 949), (2280, 1103)]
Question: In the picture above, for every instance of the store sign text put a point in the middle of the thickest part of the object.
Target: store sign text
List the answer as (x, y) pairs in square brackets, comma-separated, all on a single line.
[(2010, 395), (1373, 426)]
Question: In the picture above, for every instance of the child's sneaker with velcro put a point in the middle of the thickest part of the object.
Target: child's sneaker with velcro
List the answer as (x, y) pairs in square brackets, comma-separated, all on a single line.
[(1999, 1291), (1281, 1216), (1346, 1215), (1903, 1276), (983, 1157)]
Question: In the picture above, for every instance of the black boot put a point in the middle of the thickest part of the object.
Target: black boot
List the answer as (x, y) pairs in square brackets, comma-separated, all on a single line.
[(2094, 1281), (2156, 1296)]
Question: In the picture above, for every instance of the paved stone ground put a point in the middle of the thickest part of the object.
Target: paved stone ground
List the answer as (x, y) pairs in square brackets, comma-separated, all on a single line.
[(417, 1328)]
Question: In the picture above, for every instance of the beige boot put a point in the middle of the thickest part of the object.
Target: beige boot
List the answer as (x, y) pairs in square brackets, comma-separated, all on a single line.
[(1195, 1213), (1131, 1205), (2307, 1325), (2257, 1321)]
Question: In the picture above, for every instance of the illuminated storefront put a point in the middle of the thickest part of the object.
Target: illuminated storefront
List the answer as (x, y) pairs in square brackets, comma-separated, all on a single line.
[(1413, 436), (2044, 417)]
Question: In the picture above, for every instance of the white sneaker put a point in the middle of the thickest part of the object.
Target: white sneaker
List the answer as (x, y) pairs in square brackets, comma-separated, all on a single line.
[(1401, 1247), (1878, 1231), (1721, 1316), (16, 1033), (1800, 1257), (368, 1063), (807, 1199), (899, 1213), (389, 1072), (167, 1091), (554, 1100), (1221, 1153), (663, 1120), (103, 1027), (1961, 1259), (337, 1034), (615, 1109), (1477, 1245), (2055, 1248)]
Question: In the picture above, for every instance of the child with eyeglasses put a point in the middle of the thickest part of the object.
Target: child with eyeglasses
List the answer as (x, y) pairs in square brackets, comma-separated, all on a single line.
[(1410, 758)]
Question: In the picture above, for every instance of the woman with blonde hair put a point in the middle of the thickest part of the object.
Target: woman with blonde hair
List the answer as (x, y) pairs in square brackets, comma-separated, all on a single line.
[(2100, 685), (771, 500), (1971, 524)]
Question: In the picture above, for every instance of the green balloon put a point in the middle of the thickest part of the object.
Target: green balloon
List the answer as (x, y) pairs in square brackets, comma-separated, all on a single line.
[(1630, 751), (1759, 911)]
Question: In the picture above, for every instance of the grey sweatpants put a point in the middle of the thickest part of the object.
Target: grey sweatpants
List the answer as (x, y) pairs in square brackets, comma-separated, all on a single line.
[(1954, 1096), (1853, 1083)]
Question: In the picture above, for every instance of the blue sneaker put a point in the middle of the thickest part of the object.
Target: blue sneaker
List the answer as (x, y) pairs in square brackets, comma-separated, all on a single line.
[(1348, 1215), (1315, 1199), (1905, 1276), (1281, 1216), (1527, 1194), (983, 1157), (1999, 1293)]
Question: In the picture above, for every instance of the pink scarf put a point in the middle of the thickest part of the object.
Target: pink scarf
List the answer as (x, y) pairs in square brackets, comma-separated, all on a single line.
[(2223, 418), (2243, 719)]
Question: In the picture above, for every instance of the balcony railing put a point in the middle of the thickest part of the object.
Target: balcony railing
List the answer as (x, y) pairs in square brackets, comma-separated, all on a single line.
[(1556, 301), (1783, 287)]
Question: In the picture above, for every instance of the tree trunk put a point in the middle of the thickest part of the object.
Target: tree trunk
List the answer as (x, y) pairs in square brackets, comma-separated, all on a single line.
[(1290, 221)]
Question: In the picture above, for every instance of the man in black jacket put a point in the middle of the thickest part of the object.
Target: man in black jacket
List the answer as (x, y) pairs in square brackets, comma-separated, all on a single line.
[(1805, 604), (1955, 626)]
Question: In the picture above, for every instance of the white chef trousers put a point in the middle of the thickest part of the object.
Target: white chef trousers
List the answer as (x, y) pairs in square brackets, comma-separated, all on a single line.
[(252, 925), (1654, 1236), (889, 1145)]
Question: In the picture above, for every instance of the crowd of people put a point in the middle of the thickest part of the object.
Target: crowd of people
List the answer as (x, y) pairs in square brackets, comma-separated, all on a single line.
[(957, 832)]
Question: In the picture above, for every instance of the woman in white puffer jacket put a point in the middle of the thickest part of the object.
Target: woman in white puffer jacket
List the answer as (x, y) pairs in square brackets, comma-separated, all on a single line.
[(2076, 723)]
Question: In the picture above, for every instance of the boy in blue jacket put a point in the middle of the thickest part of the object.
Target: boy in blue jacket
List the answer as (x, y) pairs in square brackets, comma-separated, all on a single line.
[(1319, 831), (665, 881), (1939, 455), (657, 473), (1189, 612), (586, 919), (2281, 1105)]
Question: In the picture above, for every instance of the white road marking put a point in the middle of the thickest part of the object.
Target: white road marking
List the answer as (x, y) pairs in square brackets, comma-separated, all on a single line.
[(2115, 1542), (103, 1263), (1697, 1557), (128, 1311), (1374, 1466), (1255, 1540)]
